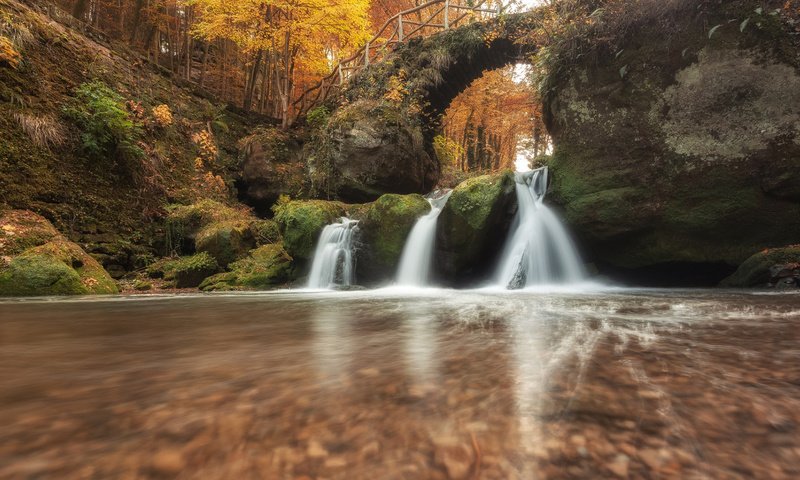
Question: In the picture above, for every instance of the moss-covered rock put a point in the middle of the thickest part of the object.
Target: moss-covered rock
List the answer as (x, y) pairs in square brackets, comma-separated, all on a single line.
[(774, 267), (473, 224), (23, 229), (58, 267), (301, 222), (226, 241), (185, 222), (35, 260), (690, 156), (383, 230), (185, 272), (266, 267), (270, 164), (370, 148)]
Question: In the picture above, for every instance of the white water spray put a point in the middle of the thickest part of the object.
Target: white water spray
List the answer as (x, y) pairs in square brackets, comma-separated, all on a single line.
[(417, 257), (539, 250), (333, 258)]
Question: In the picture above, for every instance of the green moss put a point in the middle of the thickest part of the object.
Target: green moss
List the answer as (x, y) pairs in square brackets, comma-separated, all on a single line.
[(21, 230), (185, 272), (266, 267), (755, 271), (473, 200), (266, 232), (58, 267), (226, 241), (142, 286), (38, 275), (473, 223), (384, 226), (184, 222), (301, 222)]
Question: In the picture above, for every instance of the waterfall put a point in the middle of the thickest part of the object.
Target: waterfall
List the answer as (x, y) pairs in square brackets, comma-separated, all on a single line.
[(333, 258), (417, 257), (539, 249)]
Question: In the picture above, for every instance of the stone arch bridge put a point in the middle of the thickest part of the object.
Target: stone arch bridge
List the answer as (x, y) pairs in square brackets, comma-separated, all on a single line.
[(382, 122)]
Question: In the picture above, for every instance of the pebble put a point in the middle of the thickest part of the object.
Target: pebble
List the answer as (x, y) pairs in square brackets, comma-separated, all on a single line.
[(168, 462)]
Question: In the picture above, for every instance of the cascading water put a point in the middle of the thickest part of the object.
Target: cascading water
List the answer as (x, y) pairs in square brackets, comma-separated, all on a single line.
[(539, 250), (333, 258), (417, 257)]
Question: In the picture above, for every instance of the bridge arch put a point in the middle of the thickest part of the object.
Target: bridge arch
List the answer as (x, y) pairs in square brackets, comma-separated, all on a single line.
[(379, 138)]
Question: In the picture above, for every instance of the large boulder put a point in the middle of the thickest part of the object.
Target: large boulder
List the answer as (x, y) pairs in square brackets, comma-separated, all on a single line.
[(681, 153), (184, 272), (36, 260), (473, 225), (775, 267), (266, 267), (270, 165), (302, 221), (370, 148), (383, 230), (226, 241)]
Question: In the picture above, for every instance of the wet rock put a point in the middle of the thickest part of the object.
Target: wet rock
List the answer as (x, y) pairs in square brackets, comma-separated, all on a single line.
[(473, 225), (265, 267), (168, 462), (660, 167), (619, 466), (370, 148), (456, 459), (775, 267), (383, 230), (226, 241), (301, 223)]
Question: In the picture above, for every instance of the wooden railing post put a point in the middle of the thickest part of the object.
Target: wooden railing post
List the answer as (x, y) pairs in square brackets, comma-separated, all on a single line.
[(366, 55), (341, 76), (400, 27), (446, 14)]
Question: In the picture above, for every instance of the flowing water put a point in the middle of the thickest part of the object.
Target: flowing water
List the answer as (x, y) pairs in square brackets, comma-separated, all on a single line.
[(333, 258), (396, 384), (417, 258), (539, 250)]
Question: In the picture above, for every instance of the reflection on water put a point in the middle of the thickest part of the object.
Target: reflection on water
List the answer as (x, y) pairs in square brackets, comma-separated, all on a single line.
[(403, 384)]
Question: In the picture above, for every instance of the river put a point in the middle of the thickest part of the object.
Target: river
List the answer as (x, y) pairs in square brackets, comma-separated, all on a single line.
[(397, 384)]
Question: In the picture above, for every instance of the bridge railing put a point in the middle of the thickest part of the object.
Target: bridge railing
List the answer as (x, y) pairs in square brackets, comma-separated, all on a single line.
[(446, 14)]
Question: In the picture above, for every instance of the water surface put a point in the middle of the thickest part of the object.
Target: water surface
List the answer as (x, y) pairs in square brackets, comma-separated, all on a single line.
[(400, 384)]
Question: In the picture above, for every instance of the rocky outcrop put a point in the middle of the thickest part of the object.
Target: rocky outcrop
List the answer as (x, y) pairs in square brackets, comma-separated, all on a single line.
[(184, 272), (271, 164), (369, 148), (266, 267), (301, 222), (472, 227), (775, 268), (383, 228), (36, 260), (685, 152)]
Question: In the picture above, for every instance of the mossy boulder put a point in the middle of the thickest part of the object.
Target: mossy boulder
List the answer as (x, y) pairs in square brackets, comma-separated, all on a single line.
[(301, 222), (774, 267), (36, 260), (266, 267), (473, 225), (383, 230), (369, 148), (226, 241), (58, 267), (691, 155), (185, 272), (270, 164), (185, 222), (23, 229)]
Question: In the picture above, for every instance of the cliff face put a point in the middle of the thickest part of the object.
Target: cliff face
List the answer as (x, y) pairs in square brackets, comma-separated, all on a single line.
[(682, 149)]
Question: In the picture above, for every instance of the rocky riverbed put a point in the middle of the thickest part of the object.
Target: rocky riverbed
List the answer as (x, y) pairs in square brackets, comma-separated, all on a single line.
[(390, 384)]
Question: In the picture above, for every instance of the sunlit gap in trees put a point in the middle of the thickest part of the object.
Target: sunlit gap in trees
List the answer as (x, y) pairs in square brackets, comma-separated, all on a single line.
[(495, 124)]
